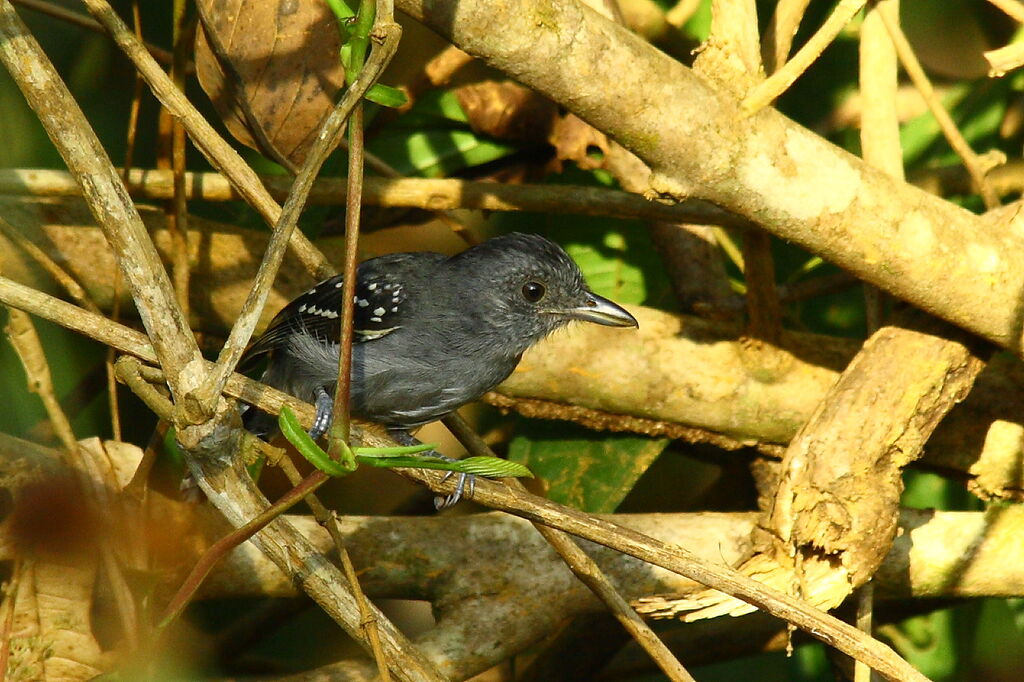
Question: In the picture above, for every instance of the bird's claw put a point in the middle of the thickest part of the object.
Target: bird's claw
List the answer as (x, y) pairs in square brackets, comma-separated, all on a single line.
[(466, 484)]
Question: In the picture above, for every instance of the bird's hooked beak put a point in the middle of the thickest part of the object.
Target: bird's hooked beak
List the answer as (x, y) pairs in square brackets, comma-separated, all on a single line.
[(601, 311)]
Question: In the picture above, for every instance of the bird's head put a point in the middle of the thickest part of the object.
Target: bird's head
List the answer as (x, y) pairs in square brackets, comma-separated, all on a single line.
[(531, 287)]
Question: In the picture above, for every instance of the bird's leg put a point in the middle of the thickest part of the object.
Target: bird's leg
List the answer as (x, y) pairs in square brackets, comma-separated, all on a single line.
[(324, 413), (466, 483)]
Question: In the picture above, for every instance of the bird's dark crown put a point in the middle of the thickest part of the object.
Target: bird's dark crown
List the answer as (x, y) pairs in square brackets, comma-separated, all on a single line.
[(526, 281)]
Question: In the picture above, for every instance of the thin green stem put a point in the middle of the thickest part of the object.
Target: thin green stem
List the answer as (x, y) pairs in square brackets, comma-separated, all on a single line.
[(359, 43)]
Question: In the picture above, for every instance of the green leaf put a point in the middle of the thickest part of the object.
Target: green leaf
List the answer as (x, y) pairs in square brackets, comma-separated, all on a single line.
[(398, 462), (434, 109), (398, 450), (978, 110), (589, 471), (493, 467), (489, 467), (341, 10), (345, 54), (173, 453), (929, 643), (918, 134), (436, 153), (297, 436), (390, 458), (608, 271), (386, 96), (698, 26), (995, 640)]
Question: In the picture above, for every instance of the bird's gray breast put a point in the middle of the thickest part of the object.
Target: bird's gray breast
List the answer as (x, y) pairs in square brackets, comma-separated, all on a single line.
[(408, 390)]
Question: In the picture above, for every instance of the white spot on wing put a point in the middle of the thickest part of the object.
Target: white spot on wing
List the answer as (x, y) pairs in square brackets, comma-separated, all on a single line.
[(371, 334), (378, 311)]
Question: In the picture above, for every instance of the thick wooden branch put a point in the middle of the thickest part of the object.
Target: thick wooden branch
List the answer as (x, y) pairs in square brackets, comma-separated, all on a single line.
[(834, 513), (432, 194), (678, 376), (765, 167), (108, 200), (452, 561)]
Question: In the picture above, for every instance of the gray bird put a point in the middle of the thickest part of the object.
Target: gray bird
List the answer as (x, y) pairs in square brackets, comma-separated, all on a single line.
[(431, 332)]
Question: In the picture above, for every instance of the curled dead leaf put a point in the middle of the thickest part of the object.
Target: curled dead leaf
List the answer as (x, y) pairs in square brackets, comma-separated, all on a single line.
[(506, 110), (575, 140), (271, 70)]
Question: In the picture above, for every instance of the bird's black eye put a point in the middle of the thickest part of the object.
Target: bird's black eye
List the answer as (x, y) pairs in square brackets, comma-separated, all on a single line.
[(533, 291)]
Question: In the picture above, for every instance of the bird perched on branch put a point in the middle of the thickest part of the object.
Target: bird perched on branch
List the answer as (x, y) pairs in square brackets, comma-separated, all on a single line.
[(431, 332)]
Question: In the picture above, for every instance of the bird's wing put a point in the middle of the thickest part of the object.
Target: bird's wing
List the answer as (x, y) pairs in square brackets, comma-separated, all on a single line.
[(380, 294)]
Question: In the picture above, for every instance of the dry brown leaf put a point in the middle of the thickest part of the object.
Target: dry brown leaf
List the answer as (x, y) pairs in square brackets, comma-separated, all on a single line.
[(271, 69), (506, 110), (575, 140), (54, 536), (51, 637)]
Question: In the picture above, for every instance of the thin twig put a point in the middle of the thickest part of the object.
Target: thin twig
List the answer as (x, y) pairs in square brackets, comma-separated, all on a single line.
[(214, 147), (880, 144), (129, 155), (177, 214), (86, 22), (1004, 59), (105, 194), (341, 415), (677, 559), (734, 27), (378, 16), (129, 371), (219, 549), (728, 245), (133, 113), (956, 140), (64, 278), (778, 37), (671, 557), (329, 520), (764, 311), (127, 340), (339, 434), (424, 193), (763, 94), (880, 125), (327, 139), (1013, 8), (585, 568), (865, 616), (681, 12)]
